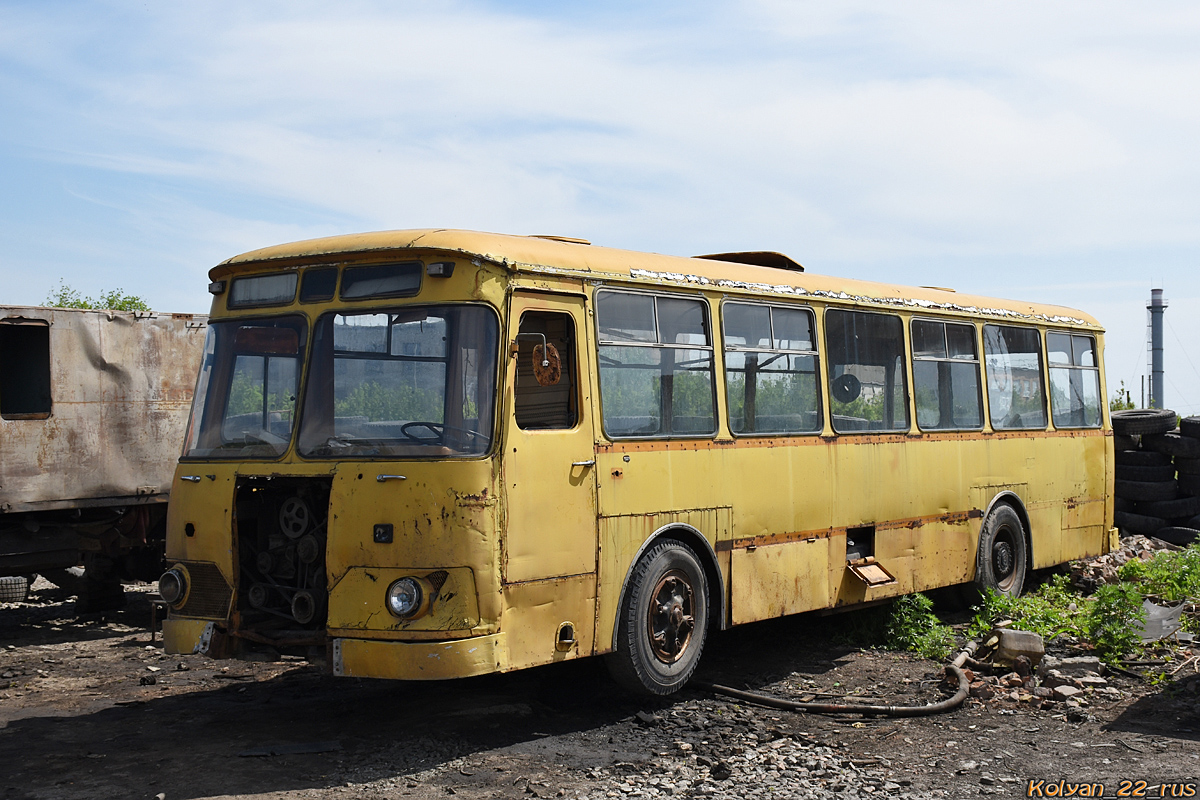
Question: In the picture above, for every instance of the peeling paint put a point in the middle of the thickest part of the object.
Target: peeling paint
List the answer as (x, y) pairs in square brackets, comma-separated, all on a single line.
[(799, 291)]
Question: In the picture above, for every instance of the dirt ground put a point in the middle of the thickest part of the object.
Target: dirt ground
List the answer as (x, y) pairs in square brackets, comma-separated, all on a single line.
[(92, 708)]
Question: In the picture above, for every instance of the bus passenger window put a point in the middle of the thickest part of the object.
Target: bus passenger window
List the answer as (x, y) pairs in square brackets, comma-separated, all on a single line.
[(552, 406), (946, 376), (1074, 380), (866, 371), (656, 365), (1014, 377), (770, 369)]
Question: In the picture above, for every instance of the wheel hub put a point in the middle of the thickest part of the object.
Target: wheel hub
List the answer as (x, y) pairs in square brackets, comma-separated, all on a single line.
[(670, 618), (1002, 558)]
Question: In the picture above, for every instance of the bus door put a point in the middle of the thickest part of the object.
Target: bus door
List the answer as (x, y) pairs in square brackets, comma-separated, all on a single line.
[(549, 458)]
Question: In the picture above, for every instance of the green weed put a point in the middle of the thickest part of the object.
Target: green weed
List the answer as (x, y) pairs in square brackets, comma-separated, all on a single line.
[(1112, 620), (1046, 612), (913, 626)]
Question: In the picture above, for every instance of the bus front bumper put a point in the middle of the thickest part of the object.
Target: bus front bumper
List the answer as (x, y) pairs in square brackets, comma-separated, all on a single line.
[(418, 661)]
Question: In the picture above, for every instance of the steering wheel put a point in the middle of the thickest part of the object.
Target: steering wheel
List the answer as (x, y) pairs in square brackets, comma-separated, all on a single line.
[(439, 432)]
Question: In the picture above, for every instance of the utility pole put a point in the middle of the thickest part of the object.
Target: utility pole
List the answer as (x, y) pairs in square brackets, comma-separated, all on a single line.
[(1156, 306)]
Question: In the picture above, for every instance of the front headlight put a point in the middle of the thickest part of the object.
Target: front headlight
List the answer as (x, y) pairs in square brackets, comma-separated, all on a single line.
[(404, 597), (172, 586)]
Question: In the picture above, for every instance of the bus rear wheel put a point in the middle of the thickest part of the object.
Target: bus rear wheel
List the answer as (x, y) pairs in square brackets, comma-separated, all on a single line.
[(663, 622), (1003, 557)]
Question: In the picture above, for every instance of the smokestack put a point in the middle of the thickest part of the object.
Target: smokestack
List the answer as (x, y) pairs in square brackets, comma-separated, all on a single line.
[(1156, 306)]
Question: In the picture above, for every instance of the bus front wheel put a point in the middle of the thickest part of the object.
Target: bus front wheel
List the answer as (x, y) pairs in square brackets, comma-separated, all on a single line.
[(663, 622), (1003, 552)]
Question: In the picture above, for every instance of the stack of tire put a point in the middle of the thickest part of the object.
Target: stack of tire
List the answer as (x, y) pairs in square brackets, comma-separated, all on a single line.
[(1158, 474)]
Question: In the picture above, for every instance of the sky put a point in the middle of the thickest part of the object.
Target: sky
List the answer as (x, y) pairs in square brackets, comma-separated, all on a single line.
[(1026, 150)]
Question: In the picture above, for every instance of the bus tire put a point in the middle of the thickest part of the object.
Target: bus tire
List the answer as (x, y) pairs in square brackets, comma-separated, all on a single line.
[(1003, 556), (1136, 421), (663, 622)]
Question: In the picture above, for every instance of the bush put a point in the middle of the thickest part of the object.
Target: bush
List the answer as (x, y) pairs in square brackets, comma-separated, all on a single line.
[(1112, 620), (913, 626), (1172, 576), (66, 297), (1045, 612)]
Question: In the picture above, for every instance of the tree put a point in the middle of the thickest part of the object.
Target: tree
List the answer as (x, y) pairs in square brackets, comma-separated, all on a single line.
[(1121, 400), (116, 300)]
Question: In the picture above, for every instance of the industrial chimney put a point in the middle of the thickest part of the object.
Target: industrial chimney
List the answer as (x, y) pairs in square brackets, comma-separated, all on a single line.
[(1156, 306)]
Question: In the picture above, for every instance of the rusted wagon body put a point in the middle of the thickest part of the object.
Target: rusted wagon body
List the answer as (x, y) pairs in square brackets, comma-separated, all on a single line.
[(93, 407)]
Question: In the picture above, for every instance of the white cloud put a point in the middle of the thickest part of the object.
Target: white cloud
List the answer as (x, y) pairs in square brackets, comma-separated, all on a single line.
[(983, 145)]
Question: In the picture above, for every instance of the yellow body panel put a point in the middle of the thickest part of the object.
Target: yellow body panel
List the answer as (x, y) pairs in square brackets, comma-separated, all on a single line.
[(539, 536), (182, 635), (419, 661)]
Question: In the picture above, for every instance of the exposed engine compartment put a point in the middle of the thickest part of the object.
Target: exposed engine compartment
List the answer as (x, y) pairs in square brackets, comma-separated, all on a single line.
[(280, 532)]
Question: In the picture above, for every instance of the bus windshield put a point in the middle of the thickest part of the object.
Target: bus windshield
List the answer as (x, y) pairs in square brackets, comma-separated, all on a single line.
[(415, 381), (245, 399)]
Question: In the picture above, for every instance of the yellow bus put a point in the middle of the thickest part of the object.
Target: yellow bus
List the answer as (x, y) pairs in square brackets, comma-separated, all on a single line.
[(431, 454)]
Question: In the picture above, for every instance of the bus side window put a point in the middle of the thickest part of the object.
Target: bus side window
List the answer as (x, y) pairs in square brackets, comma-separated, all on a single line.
[(1074, 380), (770, 369), (1014, 377), (656, 365), (539, 407), (946, 376), (867, 389)]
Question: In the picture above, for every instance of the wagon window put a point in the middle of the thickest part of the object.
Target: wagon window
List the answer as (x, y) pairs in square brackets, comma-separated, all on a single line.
[(656, 365), (946, 376), (1074, 380), (24, 371), (770, 369), (1014, 377), (866, 371)]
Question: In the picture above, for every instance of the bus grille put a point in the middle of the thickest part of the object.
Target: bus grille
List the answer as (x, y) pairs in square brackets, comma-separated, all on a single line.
[(209, 595)]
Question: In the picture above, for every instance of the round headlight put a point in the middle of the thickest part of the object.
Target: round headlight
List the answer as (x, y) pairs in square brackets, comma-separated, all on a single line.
[(172, 586), (404, 597)]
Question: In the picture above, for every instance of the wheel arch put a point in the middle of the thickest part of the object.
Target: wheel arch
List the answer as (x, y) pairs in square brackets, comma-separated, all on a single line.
[(1011, 498), (693, 538)]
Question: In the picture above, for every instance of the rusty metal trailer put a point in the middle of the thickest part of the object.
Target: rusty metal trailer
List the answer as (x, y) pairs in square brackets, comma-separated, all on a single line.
[(93, 409)]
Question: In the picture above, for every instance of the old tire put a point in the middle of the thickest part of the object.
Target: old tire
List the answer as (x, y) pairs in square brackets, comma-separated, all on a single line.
[(1189, 485), (663, 622), (1188, 466), (1138, 523), (1173, 444), (1003, 557), (1190, 426), (1141, 458), (1161, 472), (1177, 535), (1146, 491), (1179, 508), (14, 589), (1137, 421)]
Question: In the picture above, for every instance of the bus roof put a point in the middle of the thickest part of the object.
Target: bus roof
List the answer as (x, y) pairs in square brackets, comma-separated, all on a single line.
[(575, 258)]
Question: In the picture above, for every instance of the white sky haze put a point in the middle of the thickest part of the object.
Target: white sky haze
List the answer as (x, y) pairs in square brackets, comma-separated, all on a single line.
[(1024, 149)]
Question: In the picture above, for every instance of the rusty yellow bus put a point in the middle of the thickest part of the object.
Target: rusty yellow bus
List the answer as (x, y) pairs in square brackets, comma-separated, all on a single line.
[(431, 454)]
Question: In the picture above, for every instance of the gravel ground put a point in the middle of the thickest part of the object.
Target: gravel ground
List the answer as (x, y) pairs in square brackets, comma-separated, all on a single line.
[(90, 708)]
